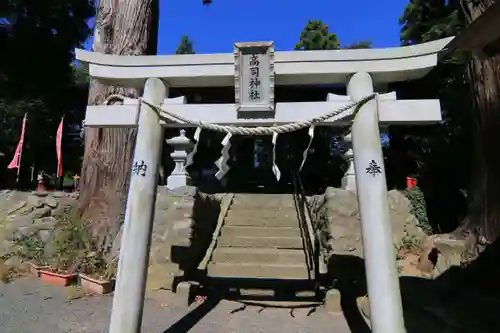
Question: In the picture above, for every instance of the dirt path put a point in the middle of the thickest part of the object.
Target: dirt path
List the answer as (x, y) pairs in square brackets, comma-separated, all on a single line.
[(27, 306)]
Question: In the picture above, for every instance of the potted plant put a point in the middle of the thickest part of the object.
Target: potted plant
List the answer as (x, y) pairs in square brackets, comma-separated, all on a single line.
[(99, 278), (61, 273), (69, 242), (35, 268)]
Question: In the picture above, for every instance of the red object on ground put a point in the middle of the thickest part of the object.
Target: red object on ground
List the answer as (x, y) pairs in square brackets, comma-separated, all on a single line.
[(57, 279), (41, 186), (411, 182)]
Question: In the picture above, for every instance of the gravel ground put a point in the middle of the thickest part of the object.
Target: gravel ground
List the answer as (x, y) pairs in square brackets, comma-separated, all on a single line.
[(27, 306)]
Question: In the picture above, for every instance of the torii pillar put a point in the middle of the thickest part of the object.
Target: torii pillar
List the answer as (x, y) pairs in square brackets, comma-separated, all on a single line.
[(386, 312)]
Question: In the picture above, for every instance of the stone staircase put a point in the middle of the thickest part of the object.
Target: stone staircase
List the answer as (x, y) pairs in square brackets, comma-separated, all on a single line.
[(260, 251)]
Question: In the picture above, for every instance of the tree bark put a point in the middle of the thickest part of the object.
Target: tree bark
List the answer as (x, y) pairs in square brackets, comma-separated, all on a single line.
[(482, 224), (122, 27)]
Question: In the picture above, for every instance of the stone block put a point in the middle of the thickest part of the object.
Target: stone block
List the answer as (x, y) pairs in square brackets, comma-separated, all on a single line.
[(45, 223), (51, 202), (185, 291), (183, 228), (35, 201), (332, 301), (59, 211), (41, 212), (28, 231), (59, 194), (439, 253), (17, 207), (21, 221), (45, 235), (161, 217)]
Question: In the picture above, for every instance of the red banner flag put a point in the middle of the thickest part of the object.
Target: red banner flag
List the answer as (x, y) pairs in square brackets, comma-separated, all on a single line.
[(16, 161), (58, 148)]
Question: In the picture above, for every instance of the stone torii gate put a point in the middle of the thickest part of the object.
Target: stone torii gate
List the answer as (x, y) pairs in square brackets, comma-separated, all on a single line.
[(254, 69)]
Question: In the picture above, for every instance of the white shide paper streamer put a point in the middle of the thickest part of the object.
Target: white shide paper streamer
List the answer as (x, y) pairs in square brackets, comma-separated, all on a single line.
[(276, 170), (221, 163), (196, 138), (306, 152)]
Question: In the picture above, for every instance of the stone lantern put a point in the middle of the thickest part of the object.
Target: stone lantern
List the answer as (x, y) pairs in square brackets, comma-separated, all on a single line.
[(182, 147)]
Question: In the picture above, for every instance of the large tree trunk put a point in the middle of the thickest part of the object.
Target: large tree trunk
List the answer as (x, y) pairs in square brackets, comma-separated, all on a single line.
[(483, 221), (123, 28)]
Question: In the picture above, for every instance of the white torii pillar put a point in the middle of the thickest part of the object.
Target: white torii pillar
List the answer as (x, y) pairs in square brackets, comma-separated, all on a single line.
[(386, 312), (128, 300)]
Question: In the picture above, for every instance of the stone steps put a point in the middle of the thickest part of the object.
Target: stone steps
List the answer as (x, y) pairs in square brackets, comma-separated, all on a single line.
[(260, 231), (263, 212), (258, 255), (261, 242), (259, 221), (263, 201), (258, 271)]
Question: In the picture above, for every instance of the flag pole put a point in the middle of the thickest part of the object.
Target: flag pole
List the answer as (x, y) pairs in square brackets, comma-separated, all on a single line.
[(21, 150), (59, 152)]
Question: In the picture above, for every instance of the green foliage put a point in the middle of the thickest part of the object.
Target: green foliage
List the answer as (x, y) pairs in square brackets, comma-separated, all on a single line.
[(316, 36), (72, 249), (185, 46), (37, 39), (80, 76), (364, 44), (29, 249), (435, 154), (428, 20), (410, 243), (418, 208)]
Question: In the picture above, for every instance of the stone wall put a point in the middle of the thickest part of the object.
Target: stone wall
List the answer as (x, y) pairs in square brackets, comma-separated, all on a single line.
[(183, 225), (30, 214), (339, 227), (185, 219)]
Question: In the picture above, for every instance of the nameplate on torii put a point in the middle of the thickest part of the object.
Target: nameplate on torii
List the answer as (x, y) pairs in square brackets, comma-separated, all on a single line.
[(254, 76), (390, 111)]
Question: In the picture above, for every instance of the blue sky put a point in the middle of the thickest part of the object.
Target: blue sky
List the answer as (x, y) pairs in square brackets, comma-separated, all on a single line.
[(215, 28)]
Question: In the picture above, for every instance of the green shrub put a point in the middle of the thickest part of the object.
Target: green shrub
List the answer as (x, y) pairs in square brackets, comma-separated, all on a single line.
[(418, 208), (29, 249), (73, 249)]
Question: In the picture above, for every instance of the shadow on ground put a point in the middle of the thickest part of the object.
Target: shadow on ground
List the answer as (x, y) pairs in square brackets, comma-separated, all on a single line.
[(464, 300), (186, 323)]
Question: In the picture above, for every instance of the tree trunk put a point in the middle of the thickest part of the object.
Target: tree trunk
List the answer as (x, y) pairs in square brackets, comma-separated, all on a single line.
[(121, 28), (483, 221)]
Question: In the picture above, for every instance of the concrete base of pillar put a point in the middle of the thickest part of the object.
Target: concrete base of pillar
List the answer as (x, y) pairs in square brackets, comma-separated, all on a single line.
[(349, 183), (185, 291), (175, 181), (332, 301), (364, 308)]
